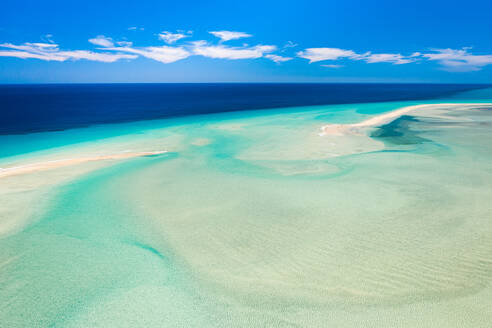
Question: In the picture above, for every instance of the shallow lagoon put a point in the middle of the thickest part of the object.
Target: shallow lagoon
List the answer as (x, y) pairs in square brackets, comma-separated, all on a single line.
[(253, 219)]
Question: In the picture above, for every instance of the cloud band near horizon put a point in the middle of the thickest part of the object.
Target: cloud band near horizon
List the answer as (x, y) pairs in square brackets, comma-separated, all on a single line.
[(108, 51)]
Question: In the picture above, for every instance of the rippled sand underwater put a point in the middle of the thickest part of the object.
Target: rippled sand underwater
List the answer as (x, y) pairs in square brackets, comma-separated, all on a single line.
[(255, 220)]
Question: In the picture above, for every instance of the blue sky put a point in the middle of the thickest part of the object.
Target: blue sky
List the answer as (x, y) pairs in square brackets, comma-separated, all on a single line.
[(245, 41)]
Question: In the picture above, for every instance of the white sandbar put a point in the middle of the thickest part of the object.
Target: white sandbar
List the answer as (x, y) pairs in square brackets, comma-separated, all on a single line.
[(41, 166), (355, 129)]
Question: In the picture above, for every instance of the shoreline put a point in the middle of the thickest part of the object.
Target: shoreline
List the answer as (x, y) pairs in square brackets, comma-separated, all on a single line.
[(355, 128), (48, 165)]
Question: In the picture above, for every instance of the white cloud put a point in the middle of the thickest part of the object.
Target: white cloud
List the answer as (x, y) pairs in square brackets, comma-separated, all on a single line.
[(32, 47), (26, 55), (124, 43), (201, 48), (43, 51), (290, 44), (43, 45), (102, 41), (94, 56), (170, 37), (163, 54), (51, 52), (278, 59), (332, 66), (229, 35), (320, 54), (48, 38), (459, 60), (134, 28), (396, 59)]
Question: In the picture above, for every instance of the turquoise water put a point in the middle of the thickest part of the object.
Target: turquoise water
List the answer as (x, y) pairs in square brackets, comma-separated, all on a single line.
[(254, 220)]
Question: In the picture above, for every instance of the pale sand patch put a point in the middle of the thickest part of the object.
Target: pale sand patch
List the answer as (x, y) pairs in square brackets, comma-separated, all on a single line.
[(229, 126), (201, 142), (357, 128), (35, 167)]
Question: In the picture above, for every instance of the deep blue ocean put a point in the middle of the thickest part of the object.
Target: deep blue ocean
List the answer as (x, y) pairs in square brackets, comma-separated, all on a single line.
[(36, 108)]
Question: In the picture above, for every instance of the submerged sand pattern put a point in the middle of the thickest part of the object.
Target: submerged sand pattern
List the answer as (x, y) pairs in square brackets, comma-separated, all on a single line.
[(270, 225)]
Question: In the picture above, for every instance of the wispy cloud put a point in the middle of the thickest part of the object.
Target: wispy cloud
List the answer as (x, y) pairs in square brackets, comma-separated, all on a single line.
[(51, 52), (27, 55), (396, 59), (459, 60), (102, 41), (94, 56), (229, 35), (124, 43), (201, 48), (43, 51), (36, 47), (170, 37), (48, 38), (163, 54), (109, 50), (278, 59), (134, 28), (332, 66), (290, 44), (321, 54)]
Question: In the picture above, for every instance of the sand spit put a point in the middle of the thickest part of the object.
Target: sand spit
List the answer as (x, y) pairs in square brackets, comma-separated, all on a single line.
[(357, 128), (35, 167)]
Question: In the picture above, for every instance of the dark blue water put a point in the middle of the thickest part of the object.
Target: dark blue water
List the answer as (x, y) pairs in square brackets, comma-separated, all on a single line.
[(34, 108)]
